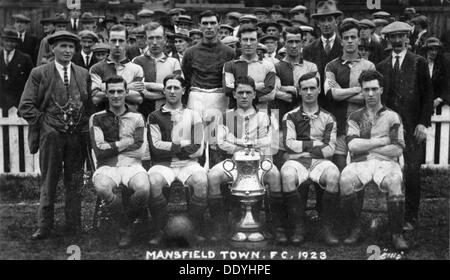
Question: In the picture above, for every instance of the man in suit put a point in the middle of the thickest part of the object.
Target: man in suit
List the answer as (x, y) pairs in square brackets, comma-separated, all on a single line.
[(141, 43), (15, 66), (88, 22), (420, 25), (367, 28), (45, 54), (85, 57), (328, 46), (28, 43), (56, 102), (74, 19), (409, 92)]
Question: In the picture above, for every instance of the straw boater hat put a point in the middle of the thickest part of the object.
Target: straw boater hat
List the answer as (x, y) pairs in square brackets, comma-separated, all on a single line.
[(62, 35), (10, 33), (432, 42), (326, 8), (397, 27)]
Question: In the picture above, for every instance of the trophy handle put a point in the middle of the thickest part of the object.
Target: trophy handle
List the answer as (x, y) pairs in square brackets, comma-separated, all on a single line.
[(228, 166), (265, 165)]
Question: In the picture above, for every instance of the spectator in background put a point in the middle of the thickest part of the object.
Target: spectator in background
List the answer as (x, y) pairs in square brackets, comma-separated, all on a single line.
[(129, 21), (367, 28), (225, 30), (15, 66), (101, 51), (182, 41), (141, 43), (276, 12), (88, 22), (196, 36), (85, 57), (421, 26), (232, 19), (28, 43), (45, 54), (145, 16)]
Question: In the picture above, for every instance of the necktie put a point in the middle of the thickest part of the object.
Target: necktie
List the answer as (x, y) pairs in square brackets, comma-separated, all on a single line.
[(327, 46), (397, 64), (87, 60), (6, 58), (66, 78)]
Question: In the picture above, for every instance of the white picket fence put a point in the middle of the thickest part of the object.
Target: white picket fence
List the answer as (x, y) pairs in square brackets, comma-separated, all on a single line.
[(31, 166)]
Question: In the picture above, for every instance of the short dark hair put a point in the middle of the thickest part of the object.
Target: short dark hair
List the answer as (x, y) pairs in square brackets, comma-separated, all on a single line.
[(208, 13), (247, 80), (118, 27), (308, 76), (174, 77), (370, 75), (115, 79), (346, 26), (292, 30), (246, 28)]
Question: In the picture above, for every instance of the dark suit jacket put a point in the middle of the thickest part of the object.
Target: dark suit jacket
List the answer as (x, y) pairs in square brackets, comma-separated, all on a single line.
[(412, 98), (13, 78), (440, 78), (38, 92), (30, 46), (376, 52), (79, 60), (316, 53)]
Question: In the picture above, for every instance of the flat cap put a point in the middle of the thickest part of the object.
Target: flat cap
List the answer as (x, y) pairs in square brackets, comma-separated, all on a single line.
[(10, 33), (138, 30), (235, 15), (185, 18), (298, 8), (62, 35), (88, 34), (300, 19), (21, 18), (230, 40), (306, 28), (226, 26), (282, 51), (195, 31), (262, 47), (367, 22), (419, 19), (272, 23), (128, 18), (100, 47), (87, 17), (276, 9), (380, 22), (60, 18), (175, 11), (410, 10), (350, 19), (381, 14), (182, 34), (261, 10), (396, 27), (145, 13), (266, 37), (284, 21), (248, 17)]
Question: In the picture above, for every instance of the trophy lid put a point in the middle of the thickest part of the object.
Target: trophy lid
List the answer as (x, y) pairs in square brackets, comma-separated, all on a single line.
[(247, 155)]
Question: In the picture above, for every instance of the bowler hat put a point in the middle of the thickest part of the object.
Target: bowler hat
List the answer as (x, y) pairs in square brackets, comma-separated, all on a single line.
[(326, 8), (62, 35), (87, 17)]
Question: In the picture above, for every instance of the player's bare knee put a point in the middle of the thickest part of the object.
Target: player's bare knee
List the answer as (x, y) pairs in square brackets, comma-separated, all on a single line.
[(199, 184), (331, 179), (347, 182), (157, 183), (393, 184), (103, 185), (140, 183)]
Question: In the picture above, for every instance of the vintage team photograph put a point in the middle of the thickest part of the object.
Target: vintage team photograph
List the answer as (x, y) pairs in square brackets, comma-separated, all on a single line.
[(224, 130)]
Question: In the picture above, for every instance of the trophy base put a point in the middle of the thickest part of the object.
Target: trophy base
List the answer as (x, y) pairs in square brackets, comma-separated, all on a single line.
[(250, 245)]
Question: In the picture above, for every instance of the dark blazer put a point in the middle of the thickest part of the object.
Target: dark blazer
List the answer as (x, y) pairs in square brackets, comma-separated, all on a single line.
[(30, 46), (376, 52), (38, 92), (78, 59), (316, 53), (412, 98), (13, 78), (440, 78)]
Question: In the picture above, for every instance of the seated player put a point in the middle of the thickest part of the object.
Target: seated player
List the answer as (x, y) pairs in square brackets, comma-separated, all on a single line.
[(117, 137), (310, 139), (175, 136), (236, 129), (375, 140)]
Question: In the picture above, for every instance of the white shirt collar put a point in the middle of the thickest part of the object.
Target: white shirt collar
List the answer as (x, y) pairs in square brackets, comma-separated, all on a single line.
[(332, 39), (60, 69), (402, 57), (421, 33), (83, 54)]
